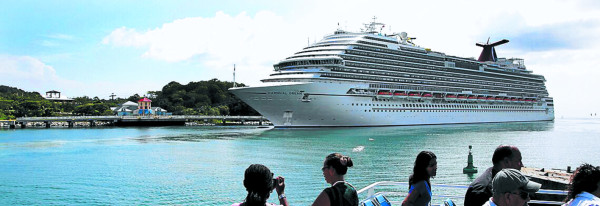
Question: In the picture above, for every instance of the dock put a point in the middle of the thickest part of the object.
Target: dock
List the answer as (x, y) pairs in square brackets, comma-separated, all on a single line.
[(551, 179), (152, 120)]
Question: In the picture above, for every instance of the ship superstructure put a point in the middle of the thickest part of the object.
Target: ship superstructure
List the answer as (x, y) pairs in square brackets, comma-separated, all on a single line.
[(369, 78)]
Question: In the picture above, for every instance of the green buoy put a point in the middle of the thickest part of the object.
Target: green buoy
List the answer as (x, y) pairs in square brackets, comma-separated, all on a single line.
[(470, 169)]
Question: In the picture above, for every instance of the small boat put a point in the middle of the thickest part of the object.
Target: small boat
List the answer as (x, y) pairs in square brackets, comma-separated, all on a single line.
[(414, 95), (450, 97)]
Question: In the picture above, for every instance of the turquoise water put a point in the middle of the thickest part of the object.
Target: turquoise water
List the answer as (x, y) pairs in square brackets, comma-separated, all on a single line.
[(205, 165)]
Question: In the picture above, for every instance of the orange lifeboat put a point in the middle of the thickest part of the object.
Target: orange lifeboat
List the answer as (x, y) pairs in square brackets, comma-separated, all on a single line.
[(450, 97), (400, 94), (414, 95)]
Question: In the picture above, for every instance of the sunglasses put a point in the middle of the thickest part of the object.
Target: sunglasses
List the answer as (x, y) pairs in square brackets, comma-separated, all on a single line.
[(522, 194)]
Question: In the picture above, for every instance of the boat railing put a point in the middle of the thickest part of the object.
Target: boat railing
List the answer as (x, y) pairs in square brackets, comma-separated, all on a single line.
[(396, 191)]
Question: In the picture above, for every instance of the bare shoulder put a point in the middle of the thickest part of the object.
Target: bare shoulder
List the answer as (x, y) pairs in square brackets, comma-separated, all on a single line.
[(322, 200)]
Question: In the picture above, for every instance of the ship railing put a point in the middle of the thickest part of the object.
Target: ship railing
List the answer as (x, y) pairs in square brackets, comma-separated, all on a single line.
[(396, 191)]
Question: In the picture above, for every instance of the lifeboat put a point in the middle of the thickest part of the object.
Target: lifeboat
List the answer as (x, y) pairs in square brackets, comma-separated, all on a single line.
[(437, 96), (384, 94), (472, 98), (499, 98), (427, 95), (481, 98), (520, 100), (491, 99), (414, 95), (513, 100), (450, 97), (400, 95), (462, 97)]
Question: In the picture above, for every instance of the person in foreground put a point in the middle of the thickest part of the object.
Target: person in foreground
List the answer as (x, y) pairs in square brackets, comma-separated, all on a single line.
[(584, 189), (480, 190), (259, 183), (419, 192), (341, 192), (511, 188)]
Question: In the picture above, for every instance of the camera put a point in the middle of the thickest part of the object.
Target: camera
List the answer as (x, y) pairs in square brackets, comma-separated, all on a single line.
[(275, 183)]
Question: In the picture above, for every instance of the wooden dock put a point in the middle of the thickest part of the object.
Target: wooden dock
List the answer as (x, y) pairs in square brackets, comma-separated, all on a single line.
[(153, 120)]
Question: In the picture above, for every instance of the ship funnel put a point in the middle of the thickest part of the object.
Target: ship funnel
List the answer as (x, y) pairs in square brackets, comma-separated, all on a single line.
[(489, 53)]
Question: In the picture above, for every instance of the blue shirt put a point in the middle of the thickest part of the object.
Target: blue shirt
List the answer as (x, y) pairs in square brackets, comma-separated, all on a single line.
[(584, 199)]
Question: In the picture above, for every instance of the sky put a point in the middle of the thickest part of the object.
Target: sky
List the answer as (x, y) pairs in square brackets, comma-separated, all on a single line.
[(96, 48)]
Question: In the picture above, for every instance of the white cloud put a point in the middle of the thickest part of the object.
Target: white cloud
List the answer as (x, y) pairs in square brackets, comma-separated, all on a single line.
[(216, 39), (253, 43), (31, 74)]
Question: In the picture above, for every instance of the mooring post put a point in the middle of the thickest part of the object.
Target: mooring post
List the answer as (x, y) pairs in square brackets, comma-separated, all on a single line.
[(23, 125), (92, 123), (47, 124), (11, 124), (70, 123)]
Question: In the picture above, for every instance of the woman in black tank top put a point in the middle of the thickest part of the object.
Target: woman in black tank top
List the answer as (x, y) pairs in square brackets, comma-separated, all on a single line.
[(341, 193)]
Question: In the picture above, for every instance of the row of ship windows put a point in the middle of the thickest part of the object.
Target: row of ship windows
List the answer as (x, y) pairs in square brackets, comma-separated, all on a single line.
[(395, 52), (438, 110), (371, 60), (473, 65), (449, 72), (349, 76), (477, 82), (456, 106), (458, 63), (309, 62), (399, 58)]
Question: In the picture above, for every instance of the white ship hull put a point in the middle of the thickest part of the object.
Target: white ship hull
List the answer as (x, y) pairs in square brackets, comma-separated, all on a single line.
[(327, 104)]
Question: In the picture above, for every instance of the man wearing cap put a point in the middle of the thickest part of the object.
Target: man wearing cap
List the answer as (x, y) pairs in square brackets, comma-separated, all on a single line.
[(505, 156), (511, 188)]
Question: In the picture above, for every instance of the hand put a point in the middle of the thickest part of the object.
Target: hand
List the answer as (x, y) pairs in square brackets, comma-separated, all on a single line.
[(280, 187)]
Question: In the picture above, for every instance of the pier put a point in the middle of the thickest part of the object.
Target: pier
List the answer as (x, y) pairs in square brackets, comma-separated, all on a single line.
[(152, 120)]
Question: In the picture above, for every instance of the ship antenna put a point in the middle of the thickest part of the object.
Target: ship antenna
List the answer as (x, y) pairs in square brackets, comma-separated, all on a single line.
[(234, 76)]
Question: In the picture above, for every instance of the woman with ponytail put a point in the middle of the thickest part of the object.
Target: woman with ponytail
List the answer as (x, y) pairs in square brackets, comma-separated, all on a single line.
[(259, 183), (341, 192)]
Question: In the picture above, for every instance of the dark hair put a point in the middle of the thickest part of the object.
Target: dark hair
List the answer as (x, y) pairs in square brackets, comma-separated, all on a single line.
[(339, 162), (258, 181), (584, 179), (420, 169), (502, 152)]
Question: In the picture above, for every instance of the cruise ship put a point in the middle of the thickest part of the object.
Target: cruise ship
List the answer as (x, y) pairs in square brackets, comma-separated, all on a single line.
[(369, 78)]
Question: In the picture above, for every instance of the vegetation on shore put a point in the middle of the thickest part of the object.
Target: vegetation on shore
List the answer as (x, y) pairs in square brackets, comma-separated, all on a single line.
[(196, 98)]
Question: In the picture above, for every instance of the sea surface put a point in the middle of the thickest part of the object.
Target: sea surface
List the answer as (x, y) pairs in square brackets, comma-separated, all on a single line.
[(204, 165)]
